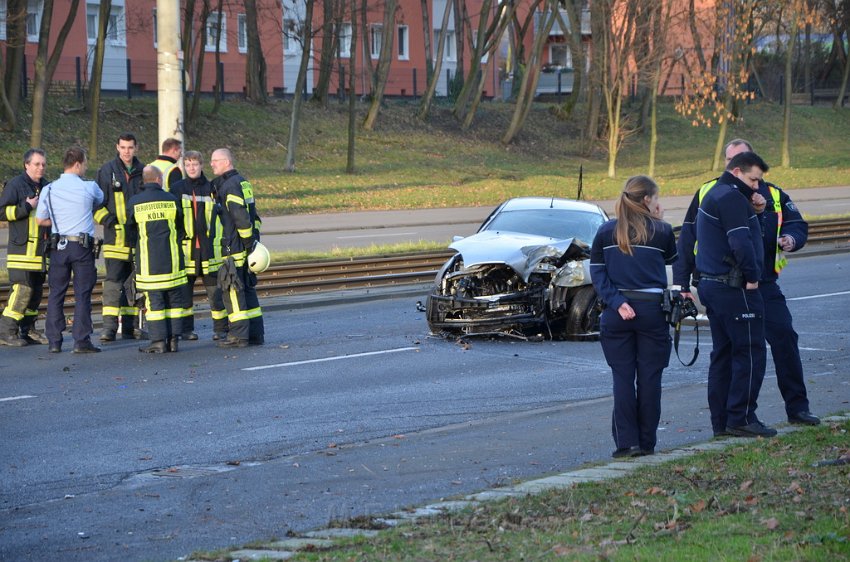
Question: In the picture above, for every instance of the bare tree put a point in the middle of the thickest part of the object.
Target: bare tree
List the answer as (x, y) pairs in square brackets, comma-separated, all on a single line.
[(426, 37), (8, 114), (45, 67), (352, 99), (572, 33), (531, 75), (331, 20), (425, 106), (93, 98), (16, 41), (219, 75), (255, 68), (297, 100), (384, 61)]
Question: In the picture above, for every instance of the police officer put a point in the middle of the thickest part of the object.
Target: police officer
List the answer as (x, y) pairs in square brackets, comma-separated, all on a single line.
[(202, 246), (730, 255), (172, 150), (241, 226), (66, 207), (155, 223), (627, 267), (120, 179), (25, 256), (783, 229)]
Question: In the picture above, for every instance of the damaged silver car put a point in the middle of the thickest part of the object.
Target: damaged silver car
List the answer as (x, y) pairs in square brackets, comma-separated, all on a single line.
[(525, 273)]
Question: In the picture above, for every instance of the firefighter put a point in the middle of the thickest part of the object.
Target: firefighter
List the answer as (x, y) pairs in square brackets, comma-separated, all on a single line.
[(25, 257), (155, 224), (119, 179), (202, 246), (172, 150), (241, 231)]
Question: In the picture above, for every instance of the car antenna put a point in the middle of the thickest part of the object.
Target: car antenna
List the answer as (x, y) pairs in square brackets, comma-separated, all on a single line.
[(580, 181)]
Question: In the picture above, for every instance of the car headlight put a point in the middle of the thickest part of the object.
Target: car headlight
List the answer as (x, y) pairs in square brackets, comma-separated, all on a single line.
[(573, 274)]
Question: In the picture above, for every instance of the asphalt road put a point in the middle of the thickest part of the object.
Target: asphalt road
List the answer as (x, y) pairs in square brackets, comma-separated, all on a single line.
[(348, 410)]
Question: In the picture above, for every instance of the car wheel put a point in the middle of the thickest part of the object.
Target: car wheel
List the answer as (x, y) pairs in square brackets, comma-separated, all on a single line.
[(583, 316)]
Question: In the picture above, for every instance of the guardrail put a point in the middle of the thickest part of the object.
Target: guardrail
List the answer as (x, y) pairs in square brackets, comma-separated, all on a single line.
[(387, 271)]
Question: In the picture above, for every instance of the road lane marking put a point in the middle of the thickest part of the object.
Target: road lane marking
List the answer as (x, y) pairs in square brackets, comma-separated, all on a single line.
[(334, 358), (375, 235), (820, 296), (10, 398)]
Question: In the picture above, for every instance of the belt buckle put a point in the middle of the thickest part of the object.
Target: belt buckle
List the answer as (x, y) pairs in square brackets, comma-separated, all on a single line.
[(63, 243)]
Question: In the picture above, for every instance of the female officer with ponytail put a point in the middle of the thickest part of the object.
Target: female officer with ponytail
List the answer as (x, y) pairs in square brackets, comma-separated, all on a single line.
[(627, 266)]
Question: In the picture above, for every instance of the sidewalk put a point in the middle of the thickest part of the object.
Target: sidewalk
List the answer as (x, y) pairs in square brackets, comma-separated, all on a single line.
[(812, 202)]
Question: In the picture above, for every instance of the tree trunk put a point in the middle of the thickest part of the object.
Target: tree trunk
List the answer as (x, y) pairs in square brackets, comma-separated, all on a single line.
[(472, 78), (255, 68), (426, 37), (298, 98), (425, 107), (97, 75), (532, 74), (352, 99), (476, 99), (789, 89), (187, 46), (367, 47), (383, 71), (44, 67), (16, 41), (330, 40), (8, 120), (839, 101), (574, 40), (653, 124), (199, 66), (219, 76)]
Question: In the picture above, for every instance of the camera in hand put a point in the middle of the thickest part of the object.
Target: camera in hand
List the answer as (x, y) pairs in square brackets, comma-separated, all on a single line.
[(676, 307)]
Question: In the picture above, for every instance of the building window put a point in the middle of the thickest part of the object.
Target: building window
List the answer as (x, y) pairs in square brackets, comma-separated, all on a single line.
[(376, 38), (155, 31), (345, 40), (449, 53), (403, 46), (114, 29), (2, 20), (213, 37), (291, 32), (560, 56), (34, 9), (242, 33)]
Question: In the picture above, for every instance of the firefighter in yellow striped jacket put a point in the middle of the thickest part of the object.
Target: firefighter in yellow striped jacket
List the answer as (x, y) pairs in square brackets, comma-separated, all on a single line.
[(25, 257), (155, 223), (119, 179), (202, 246), (241, 226), (172, 150)]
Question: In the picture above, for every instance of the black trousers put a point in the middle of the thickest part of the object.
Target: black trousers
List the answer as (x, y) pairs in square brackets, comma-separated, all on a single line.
[(244, 315), (784, 348), (214, 297), (79, 262), (166, 312), (116, 300), (738, 353), (22, 309), (637, 351)]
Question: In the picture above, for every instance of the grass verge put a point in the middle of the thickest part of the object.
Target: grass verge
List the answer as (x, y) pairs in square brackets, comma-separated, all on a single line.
[(780, 499)]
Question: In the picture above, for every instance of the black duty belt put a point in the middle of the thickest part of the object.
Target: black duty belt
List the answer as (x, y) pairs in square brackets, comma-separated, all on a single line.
[(642, 296), (724, 279), (70, 238)]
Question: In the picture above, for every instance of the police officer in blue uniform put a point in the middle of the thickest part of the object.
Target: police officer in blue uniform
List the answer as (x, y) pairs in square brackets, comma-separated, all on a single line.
[(783, 229), (627, 267), (730, 258), (67, 206)]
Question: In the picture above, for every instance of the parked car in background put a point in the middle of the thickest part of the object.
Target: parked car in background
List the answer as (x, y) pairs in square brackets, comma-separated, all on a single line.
[(525, 273)]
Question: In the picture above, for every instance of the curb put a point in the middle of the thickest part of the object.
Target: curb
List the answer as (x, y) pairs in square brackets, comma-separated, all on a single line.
[(323, 538)]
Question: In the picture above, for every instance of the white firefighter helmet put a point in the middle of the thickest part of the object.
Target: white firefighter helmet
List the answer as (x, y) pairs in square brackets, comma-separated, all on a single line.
[(260, 259)]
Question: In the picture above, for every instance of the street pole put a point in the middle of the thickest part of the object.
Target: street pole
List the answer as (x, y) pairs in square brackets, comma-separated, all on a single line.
[(169, 70)]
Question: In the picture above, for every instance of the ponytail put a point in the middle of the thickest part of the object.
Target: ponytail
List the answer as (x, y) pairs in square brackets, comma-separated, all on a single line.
[(632, 214)]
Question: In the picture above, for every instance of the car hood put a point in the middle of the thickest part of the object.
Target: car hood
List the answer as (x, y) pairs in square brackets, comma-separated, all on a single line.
[(522, 252)]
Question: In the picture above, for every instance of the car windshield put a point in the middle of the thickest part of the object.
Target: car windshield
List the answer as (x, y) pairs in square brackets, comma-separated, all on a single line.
[(554, 223)]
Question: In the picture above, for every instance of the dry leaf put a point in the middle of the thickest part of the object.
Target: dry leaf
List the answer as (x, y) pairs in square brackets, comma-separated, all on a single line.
[(698, 506), (751, 500), (795, 488), (654, 491), (745, 485), (771, 523)]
